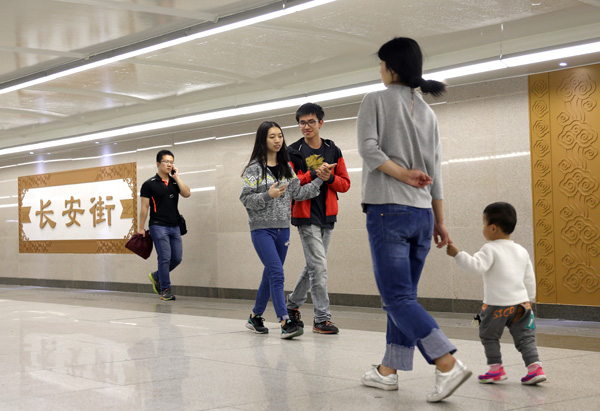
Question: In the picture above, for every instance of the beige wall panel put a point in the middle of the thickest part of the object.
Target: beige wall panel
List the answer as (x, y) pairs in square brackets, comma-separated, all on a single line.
[(488, 119)]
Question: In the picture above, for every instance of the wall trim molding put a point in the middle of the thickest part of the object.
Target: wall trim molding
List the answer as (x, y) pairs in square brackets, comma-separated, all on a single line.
[(554, 311)]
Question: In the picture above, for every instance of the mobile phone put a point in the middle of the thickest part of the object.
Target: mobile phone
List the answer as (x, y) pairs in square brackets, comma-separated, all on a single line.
[(173, 171)]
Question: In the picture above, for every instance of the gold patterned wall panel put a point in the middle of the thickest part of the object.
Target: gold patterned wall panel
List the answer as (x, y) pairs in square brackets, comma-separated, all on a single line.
[(541, 164), (564, 124)]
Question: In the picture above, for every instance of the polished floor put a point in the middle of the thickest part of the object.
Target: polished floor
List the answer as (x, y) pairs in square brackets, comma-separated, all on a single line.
[(94, 350)]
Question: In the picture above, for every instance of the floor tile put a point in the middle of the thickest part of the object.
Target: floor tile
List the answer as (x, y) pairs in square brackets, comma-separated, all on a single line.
[(127, 351)]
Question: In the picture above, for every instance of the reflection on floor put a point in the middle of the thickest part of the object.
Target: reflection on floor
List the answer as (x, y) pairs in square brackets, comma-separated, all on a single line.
[(94, 350)]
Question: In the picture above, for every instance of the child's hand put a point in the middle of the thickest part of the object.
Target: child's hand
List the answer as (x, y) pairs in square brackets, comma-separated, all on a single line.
[(451, 250)]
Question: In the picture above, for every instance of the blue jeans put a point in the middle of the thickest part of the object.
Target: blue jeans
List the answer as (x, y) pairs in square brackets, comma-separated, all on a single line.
[(167, 241), (271, 245), (400, 239), (315, 242)]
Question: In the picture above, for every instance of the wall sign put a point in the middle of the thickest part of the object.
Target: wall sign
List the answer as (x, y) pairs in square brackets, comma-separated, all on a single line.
[(92, 211)]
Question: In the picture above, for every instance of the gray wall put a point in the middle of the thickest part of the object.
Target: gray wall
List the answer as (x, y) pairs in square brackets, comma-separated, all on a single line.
[(479, 120)]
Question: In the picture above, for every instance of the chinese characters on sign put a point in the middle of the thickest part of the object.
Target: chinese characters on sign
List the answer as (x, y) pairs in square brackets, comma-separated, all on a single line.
[(72, 212), (44, 219), (78, 211), (97, 211)]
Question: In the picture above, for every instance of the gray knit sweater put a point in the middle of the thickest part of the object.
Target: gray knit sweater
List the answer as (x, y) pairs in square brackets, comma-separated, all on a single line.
[(264, 211), (387, 130)]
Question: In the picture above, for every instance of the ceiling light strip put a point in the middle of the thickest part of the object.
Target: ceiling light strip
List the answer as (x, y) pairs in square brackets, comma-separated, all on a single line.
[(195, 190), (153, 147), (465, 70), (194, 141), (197, 118), (295, 102), (505, 62), (210, 170), (169, 43), (549, 55)]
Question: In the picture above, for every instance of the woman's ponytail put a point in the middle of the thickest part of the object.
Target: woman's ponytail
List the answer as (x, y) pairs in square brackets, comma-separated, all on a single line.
[(435, 88)]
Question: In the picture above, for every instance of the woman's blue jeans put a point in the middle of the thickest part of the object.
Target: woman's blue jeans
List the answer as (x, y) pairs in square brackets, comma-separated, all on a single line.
[(400, 239), (271, 245)]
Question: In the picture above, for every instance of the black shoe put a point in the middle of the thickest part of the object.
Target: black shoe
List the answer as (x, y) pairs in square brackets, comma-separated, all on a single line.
[(295, 317), (166, 295), (155, 283), (290, 330), (257, 323), (325, 327)]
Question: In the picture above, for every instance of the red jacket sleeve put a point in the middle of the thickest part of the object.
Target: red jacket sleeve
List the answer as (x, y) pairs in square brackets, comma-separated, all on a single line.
[(341, 179), (305, 178)]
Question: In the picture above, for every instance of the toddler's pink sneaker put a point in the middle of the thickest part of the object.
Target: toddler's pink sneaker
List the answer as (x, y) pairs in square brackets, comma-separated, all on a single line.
[(491, 377), (534, 377)]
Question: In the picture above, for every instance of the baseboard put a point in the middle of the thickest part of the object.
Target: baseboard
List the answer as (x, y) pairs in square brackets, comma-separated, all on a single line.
[(557, 311)]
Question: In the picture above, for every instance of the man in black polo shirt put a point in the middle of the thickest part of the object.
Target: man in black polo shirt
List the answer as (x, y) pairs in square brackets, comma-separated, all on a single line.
[(160, 195)]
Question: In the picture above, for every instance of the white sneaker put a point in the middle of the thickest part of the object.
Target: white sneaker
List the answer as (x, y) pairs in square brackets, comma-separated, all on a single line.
[(372, 378), (447, 382)]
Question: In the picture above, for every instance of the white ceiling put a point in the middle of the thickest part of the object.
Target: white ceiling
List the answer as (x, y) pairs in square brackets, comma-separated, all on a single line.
[(326, 47)]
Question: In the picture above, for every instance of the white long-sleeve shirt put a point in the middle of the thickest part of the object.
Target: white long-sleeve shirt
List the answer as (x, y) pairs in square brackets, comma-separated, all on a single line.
[(508, 277)]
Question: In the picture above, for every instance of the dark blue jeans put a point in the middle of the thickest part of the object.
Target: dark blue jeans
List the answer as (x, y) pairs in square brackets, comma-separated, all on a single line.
[(271, 245), (400, 239), (167, 241)]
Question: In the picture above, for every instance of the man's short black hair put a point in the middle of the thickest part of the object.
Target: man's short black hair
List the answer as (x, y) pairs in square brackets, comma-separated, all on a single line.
[(502, 215), (308, 109), (163, 153)]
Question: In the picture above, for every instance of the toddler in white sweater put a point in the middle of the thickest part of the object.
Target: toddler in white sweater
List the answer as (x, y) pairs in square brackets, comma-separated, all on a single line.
[(508, 290)]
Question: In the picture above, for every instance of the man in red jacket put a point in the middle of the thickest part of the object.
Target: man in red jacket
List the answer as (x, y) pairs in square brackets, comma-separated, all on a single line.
[(312, 157)]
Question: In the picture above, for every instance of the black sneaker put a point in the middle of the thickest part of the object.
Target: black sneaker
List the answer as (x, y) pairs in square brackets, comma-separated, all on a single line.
[(295, 317), (325, 327), (166, 295), (155, 282), (290, 330), (257, 324)]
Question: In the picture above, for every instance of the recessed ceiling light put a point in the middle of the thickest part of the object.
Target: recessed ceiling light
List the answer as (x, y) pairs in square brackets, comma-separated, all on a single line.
[(562, 64)]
